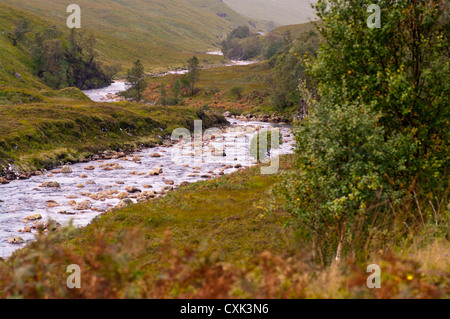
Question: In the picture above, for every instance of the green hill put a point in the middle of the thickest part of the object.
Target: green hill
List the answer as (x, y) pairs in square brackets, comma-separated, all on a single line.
[(162, 33), (282, 12)]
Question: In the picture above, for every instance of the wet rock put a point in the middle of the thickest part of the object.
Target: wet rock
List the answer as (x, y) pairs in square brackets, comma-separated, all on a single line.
[(169, 182), (205, 176), (122, 195), (72, 203), (90, 168), (33, 217), (132, 190), (108, 168), (52, 204), (84, 205), (148, 186), (238, 166), (120, 183), (117, 166), (83, 176), (125, 203), (50, 225), (27, 229), (50, 184), (155, 155), (184, 184), (80, 186), (63, 212), (16, 240), (157, 171), (166, 189)]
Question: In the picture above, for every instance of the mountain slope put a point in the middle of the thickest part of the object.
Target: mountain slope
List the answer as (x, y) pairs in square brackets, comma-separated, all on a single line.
[(16, 68), (160, 32), (282, 12)]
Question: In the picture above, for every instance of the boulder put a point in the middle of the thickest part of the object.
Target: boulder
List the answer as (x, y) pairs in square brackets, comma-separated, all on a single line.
[(84, 205), (66, 170), (166, 189), (50, 225), (132, 190), (122, 195), (157, 171), (16, 240), (155, 155), (33, 217), (63, 212), (50, 184), (125, 203)]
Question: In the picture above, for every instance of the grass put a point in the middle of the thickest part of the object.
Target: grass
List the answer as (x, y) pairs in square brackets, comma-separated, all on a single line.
[(216, 89)]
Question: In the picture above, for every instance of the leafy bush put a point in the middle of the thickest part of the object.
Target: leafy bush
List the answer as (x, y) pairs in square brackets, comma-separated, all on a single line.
[(237, 91)]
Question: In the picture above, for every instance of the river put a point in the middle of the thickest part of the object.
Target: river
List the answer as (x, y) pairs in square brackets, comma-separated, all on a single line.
[(181, 162)]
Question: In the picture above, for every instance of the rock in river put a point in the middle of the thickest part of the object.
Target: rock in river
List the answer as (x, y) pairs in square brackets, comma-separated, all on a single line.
[(33, 217), (125, 203), (50, 184), (16, 240), (66, 170)]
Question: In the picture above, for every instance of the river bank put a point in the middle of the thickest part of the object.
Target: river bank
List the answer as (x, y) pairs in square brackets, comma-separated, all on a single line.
[(40, 136)]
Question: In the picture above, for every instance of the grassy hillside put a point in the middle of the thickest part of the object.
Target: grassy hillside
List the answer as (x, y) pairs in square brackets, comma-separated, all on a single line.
[(296, 30), (16, 59), (282, 12), (162, 33)]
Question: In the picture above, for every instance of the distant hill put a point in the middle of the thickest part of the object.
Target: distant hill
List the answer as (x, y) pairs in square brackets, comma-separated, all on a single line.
[(282, 12), (162, 33)]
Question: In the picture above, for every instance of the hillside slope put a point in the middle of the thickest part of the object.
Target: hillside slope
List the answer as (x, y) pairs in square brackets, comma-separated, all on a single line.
[(15, 63), (159, 32), (282, 12)]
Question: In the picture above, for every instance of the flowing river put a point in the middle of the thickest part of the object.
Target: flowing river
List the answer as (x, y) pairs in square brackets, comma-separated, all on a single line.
[(225, 151)]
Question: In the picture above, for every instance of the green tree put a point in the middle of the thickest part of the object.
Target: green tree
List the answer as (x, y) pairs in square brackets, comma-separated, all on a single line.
[(401, 70), (378, 120), (237, 91), (22, 27), (176, 91), (135, 80), (194, 73)]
